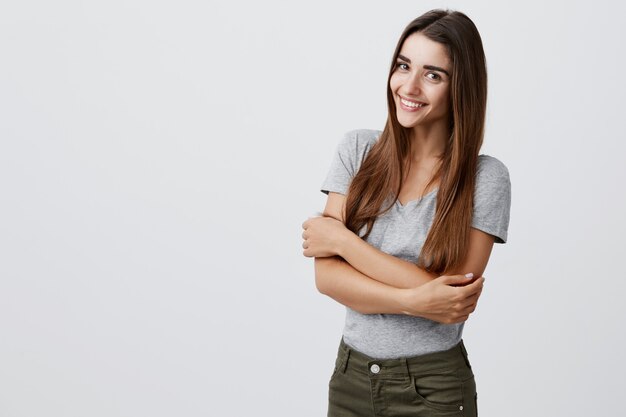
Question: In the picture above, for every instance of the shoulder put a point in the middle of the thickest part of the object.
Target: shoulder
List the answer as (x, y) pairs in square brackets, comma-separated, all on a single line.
[(354, 147), (490, 167), (360, 139), (492, 198), (492, 180)]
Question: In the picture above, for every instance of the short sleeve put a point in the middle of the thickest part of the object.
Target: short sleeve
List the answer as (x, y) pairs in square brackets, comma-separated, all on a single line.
[(346, 161), (492, 198)]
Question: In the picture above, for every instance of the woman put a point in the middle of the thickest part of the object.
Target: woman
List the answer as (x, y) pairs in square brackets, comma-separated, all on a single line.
[(411, 210)]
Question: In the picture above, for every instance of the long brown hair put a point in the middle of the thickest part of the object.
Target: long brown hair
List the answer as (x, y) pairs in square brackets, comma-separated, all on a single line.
[(382, 172)]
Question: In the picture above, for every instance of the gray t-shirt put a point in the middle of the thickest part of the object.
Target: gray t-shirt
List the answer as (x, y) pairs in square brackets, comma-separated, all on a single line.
[(402, 232)]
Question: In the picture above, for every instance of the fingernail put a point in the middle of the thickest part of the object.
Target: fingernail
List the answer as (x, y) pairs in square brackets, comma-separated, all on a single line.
[(470, 275)]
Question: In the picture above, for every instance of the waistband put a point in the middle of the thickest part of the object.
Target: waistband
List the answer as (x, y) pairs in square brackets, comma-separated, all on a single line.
[(350, 358)]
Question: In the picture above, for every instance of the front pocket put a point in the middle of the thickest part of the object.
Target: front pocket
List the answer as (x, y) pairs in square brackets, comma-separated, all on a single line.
[(441, 391), (338, 365)]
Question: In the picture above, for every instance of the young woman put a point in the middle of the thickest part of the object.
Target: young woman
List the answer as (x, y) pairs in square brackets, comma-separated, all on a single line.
[(411, 210)]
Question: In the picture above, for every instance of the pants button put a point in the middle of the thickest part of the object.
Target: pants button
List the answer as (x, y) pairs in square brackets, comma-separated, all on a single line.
[(375, 369)]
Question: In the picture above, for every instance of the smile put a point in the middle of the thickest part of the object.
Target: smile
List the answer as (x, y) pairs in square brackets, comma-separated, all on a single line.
[(411, 105)]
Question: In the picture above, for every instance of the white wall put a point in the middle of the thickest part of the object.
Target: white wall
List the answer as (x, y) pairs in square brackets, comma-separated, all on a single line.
[(157, 160)]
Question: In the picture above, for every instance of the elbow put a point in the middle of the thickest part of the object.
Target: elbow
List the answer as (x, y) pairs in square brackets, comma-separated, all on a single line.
[(319, 284), (326, 274), (322, 275), (319, 278)]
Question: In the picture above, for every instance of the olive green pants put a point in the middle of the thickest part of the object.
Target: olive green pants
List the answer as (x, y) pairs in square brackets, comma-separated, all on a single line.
[(434, 384)]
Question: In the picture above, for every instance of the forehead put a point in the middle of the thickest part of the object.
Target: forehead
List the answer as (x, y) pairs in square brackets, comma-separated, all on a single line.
[(421, 50)]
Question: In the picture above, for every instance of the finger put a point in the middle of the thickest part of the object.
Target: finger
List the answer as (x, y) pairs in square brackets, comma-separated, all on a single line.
[(478, 283), (474, 287), (455, 279), (474, 297), (470, 295), (468, 307), (459, 318)]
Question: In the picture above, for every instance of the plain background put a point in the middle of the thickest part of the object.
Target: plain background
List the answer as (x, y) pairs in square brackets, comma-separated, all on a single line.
[(157, 160)]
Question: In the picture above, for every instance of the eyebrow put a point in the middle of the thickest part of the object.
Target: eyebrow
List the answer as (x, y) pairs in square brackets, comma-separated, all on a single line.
[(430, 67)]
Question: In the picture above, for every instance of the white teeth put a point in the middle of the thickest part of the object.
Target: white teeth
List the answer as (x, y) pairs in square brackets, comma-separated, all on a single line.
[(411, 104)]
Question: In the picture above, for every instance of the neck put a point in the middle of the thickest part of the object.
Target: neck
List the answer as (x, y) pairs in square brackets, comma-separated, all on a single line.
[(428, 142)]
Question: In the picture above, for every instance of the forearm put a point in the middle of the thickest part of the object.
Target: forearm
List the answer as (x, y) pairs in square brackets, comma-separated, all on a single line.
[(337, 279), (381, 266)]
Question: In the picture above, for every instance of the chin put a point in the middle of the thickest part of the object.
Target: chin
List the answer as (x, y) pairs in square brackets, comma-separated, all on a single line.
[(409, 123)]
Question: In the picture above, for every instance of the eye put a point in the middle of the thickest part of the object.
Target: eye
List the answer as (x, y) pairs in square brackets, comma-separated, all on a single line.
[(399, 64), (437, 76)]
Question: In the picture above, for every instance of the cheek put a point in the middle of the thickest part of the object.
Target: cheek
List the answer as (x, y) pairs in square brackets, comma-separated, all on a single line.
[(442, 98), (394, 82)]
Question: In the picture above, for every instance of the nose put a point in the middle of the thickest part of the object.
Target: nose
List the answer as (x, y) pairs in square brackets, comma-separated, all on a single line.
[(413, 84)]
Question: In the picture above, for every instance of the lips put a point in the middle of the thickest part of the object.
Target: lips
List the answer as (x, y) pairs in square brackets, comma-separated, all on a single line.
[(412, 103)]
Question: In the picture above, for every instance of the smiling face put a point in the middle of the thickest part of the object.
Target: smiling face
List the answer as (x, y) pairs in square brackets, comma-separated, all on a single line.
[(422, 75)]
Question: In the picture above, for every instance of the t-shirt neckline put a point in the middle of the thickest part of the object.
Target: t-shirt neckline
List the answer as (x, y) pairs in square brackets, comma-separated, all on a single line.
[(412, 202)]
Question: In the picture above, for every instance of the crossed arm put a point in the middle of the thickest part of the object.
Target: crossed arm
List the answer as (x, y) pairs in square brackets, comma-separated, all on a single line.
[(370, 281)]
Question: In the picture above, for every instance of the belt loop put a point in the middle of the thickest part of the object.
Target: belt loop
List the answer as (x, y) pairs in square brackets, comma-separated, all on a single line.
[(408, 369), (345, 360), (464, 353), (463, 348)]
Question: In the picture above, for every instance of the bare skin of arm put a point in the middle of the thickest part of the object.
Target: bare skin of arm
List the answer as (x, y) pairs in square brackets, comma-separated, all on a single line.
[(393, 285), (403, 274), (437, 300), (337, 279), (394, 271)]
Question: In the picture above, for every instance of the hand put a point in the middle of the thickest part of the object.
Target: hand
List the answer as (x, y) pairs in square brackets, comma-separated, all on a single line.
[(440, 300), (323, 236)]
